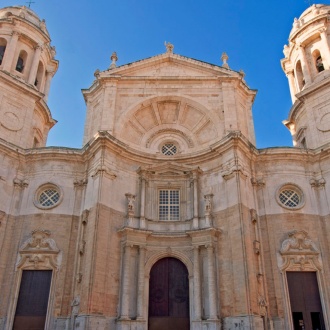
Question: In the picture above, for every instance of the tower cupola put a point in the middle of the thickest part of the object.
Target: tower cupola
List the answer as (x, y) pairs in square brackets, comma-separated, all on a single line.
[(307, 66), (27, 65)]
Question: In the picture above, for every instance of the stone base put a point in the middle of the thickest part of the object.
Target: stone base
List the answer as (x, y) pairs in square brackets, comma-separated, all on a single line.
[(247, 322), (206, 325), (85, 322), (278, 323), (131, 325), (2, 323)]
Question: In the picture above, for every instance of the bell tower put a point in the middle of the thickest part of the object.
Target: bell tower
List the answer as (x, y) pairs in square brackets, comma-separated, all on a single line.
[(307, 66), (27, 66)]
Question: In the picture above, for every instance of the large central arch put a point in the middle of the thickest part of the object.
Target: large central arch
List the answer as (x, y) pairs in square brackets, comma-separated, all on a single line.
[(169, 295)]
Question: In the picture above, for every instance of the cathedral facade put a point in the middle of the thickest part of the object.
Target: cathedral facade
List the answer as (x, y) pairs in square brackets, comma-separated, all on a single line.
[(168, 217)]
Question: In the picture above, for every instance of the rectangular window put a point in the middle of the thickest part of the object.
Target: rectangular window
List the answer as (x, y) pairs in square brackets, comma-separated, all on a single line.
[(169, 204)]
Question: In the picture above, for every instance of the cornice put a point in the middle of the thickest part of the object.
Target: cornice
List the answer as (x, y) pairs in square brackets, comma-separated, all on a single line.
[(314, 87)]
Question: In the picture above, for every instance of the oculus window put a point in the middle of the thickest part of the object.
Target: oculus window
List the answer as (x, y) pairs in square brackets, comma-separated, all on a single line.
[(290, 197), (47, 196)]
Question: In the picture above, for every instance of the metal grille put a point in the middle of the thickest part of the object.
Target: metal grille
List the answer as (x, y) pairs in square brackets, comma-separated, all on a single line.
[(169, 149), (49, 197), (289, 198), (169, 205)]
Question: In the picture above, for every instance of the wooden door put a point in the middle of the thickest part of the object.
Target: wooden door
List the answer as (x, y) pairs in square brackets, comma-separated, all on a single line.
[(169, 296), (305, 301), (31, 309)]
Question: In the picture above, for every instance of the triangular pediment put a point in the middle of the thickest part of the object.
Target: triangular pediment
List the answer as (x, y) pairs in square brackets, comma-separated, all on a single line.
[(169, 169), (169, 65)]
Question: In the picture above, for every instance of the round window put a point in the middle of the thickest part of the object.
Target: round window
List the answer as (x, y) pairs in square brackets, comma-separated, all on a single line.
[(290, 196), (47, 196), (169, 149)]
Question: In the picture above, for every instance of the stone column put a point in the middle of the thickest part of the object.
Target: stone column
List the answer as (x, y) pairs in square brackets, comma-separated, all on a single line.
[(292, 86), (197, 285), (141, 279), (143, 202), (211, 283), (326, 47), (304, 65), (195, 184), (126, 284), (49, 76), (10, 52), (35, 63)]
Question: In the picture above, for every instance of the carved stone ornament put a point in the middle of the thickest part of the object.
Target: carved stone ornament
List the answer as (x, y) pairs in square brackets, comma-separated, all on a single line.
[(102, 169), (258, 182), (114, 59), (169, 47), (208, 204), (75, 304), (130, 204), (80, 183), (300, 253), (317, 183), (254, 216), (21, 183), (84, 218), (39, 252), (231, 168)]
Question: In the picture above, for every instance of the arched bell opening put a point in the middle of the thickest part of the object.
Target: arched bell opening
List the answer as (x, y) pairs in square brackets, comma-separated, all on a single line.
[(299, 76), (21, 61), (169, 295), (40, 76), (318, 61), (3, 45)]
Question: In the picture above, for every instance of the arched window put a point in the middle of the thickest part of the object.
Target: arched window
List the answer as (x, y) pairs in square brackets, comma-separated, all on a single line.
[(3, 44), (299, 76), (40, 75), (21, 61), (318, 61)]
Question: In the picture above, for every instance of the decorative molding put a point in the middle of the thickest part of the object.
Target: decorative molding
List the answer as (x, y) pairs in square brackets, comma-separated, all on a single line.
[(258, 182), (320, 183), (21, 183), (39, 252), (102, 169), (299, 253), (80, 183), (171, 131), (232, 169)]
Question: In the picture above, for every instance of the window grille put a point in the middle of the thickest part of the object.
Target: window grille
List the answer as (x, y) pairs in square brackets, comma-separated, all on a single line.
[(169, 204), (169, 149), (289, 198), (49, 197)]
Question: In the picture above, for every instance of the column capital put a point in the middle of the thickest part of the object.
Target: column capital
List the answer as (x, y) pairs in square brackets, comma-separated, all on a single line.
[(323, 30), (39, 46), (16, 33)]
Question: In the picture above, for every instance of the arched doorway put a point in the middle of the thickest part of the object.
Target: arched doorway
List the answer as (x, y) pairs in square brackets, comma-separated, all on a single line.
[(169, 295)]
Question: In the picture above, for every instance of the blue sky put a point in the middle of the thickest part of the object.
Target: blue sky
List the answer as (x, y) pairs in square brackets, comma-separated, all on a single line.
[(252, 32)]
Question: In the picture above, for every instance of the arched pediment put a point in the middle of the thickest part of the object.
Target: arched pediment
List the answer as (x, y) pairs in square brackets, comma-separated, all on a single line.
[(169, 118)]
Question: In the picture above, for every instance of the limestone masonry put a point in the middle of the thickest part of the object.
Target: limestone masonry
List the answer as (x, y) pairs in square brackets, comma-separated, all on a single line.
[(169, 217)]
